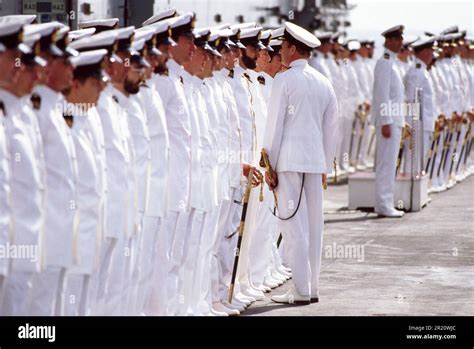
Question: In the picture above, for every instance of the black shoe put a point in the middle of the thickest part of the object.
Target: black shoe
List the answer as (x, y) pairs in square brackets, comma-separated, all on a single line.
[(314, 300)]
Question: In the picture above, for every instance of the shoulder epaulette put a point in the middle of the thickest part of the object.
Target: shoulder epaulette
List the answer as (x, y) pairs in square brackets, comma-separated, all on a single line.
[(36, 101), (2, 108), (115, 99), (231, 74), (181, 80), (386, 56), (418, 65), (247, 76), (261, 80)]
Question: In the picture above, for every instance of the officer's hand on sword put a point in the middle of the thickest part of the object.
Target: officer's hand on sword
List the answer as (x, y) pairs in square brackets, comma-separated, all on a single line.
[(257, 175)]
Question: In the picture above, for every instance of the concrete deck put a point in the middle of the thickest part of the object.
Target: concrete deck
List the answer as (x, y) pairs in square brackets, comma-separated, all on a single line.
[(421, 264)]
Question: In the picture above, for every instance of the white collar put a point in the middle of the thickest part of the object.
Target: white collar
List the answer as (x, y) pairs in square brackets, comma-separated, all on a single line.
[(265, 75), (392, 54), (122, 99), (11, 102), (299, 63), (47, 93), (174, 67), (419, 61)]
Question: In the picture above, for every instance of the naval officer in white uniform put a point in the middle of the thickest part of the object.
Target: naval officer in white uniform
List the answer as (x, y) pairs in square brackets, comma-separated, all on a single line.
[(301, 139), (388, 92)]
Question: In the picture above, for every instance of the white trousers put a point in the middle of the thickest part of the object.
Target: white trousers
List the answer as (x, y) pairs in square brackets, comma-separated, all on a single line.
[(3, 281), (216, 280), (132, 269), (386, 163), (157, 303), (345, 142), (191, 267), (100, 278), (364, 157), (16, 288), (46, 293), (230, 214), (146, 258), (114, 294), (302, 233), (77, 294), (261, 239), (206, 251), (243, 275), (175, 299)]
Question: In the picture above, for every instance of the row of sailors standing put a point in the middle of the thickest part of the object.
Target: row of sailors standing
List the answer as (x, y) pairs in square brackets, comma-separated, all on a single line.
[(442, 67), (447, 83), (426, 146), (349, 66), (124, 154)]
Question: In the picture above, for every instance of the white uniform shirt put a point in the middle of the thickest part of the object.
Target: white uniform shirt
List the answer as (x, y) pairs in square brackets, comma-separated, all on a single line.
[(208, 90), (229, 133), (98, 143), (61, 175), (446, 74), (206, 114), (178, 122), (417, 77), (138, 126), (244, 108), (319, 62), (440, 86), (89, 192), (237, 148), (259, 113), (364, 78), (159, 148), (26, 188), (119, 161), (355, 96), (265, 84), (197, 139), (30, 119), (388, 94), (302, 125), (5, 180), (222, 133)]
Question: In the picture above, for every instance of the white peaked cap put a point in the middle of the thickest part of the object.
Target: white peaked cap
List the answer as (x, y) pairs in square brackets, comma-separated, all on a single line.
[(169, 13), (108, 22), (302, 35)]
